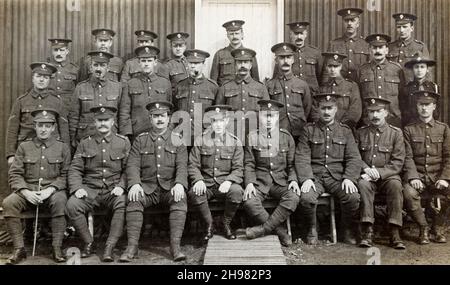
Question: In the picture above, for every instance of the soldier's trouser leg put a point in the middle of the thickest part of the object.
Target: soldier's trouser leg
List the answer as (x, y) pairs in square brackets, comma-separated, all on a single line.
[(349, 201), (117, 204), (412, 203), (201, 202), (308, 206), (394, 201), (135, 218), (13, 206), (254, 208), (288, 202), (76, 210), (367, 191), (177, 219), (57, 204), (233, 199)]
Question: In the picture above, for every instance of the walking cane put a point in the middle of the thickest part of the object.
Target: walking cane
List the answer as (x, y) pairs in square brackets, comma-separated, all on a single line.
[(36, 221)]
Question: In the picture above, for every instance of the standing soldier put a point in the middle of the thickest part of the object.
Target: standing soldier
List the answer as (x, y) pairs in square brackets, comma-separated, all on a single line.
[(420, 67), (103, 40), (350, 44), (430, 143), (216, 169), (98, 90), (196, 89), (157, 174), (20, 122), (405, 47), (269, 171), (289, 90), (66, 76), (223, 68), (144, 88), (97, 178), (327, 160), (242, 93), (176, 68), (349, 105), (382, 150), (132, 67), (381, 78), (307, 59), (38, 176)]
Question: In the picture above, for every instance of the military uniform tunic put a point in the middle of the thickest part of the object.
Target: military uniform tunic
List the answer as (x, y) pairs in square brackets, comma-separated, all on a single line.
[(382, 148), (65, 80), (223, 68), (140, 91), (20, 122), (132, 68), (175, 69), (295, 94), (94, 92)]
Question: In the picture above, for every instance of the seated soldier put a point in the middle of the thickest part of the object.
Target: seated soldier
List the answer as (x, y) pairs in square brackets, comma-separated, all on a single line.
[(383, 153), (38, 178), (215, 170), (97, 178), (430, 144), (269, 172), (157, 174)]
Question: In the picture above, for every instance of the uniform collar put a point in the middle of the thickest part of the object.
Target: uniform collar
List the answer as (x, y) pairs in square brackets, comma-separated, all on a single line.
[(323, 126), (337, 80), (246, 80), (379, 129), (430, 123), (152, 77), (43, 93), (98, 138), (380, 64), (197, 80), (49, 142), (53, 61), (287, 76), (220, 138), (179, 59), (230, 48), (347, 38), (95, 81), (405, 42), (155, 135)]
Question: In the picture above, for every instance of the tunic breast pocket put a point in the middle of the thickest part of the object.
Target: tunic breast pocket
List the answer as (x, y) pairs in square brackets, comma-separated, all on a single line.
[(436, 146), (317, 148), (117, 157), (54, 162), (112, 98), (207, 157), (418, 145), (276, 94), (385, 153), (226, 66), (282, 155), (161, 94), (338, 147), (310, 65), (366, 80), (171, 155), (297, 97), (25, 115), (31, 167), (89, 159), (226, 156), (230, 96), (87, 102)]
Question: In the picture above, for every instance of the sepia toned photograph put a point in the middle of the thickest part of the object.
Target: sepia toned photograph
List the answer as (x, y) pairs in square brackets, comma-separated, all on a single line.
[(224, 132)]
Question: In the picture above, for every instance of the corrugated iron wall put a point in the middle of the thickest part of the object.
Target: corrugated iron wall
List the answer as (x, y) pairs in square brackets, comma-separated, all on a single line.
[(25, 26), (432, 27)]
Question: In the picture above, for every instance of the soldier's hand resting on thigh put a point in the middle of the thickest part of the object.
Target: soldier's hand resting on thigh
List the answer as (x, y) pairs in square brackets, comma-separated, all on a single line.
[(249, 191), (177, 192), (441, 184), (293, 186), (117, 191), (135, 192), (307, 186), (81, 193), (373, 173), (199, 188), (417, 184), (225, 187), (31, 196), (349, 186), (47, 192)]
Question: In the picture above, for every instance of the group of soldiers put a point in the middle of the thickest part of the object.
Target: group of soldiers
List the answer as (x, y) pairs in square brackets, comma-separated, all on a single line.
[(355, 121)]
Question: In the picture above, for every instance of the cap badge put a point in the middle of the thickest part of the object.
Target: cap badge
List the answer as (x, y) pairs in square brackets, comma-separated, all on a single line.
[(401, 16), (298, 24), (419, 58), (56, 41), (43, 66), (328, 97), (147, 49), (378, 38), (425, 94), (372, 101), (336, 56), (285, 47), (195, 54), (179, 36), (102, 110), (100, 54), (142, 33), (217, 110), (233, 23), (269, 105), (157, 105), (44, 113), (242, 52), (348, 12)]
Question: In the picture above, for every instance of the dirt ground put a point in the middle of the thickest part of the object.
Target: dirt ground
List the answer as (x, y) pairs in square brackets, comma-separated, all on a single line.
[(154, 250)]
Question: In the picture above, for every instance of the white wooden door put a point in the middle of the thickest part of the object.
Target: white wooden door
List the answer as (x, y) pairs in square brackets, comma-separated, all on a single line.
[(262, 29)]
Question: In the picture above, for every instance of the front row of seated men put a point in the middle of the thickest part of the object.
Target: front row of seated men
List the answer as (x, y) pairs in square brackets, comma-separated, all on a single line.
[(107, 171)]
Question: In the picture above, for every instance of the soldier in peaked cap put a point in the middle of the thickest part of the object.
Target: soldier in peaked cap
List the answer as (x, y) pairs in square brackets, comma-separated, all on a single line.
[(147, 87), (20, 123), (269, 171), (176, 67), (215, 170), (430, 143), (350, 44), (97, 178), (223, 68), (405, 47), (38, 177), (195, 93), (291, 91), (132, 67), (327, 160), (157, 174), (98, 90), (66, 76), (420, 67), (103, 40), (349, 105), (381, 78), (242, 93), (382, 150), (307, 59)]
